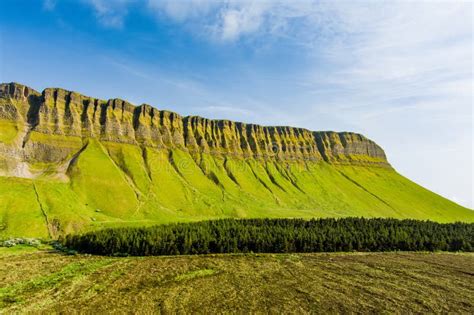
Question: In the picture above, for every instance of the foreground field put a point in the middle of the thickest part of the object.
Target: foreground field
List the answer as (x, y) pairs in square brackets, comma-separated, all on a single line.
[(32, 281)]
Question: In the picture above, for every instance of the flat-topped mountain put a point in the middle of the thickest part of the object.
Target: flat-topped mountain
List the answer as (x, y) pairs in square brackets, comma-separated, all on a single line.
[(58, 112), (69, 162)]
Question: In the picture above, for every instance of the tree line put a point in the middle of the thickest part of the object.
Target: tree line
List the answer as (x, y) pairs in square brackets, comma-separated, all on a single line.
[(276, 236)]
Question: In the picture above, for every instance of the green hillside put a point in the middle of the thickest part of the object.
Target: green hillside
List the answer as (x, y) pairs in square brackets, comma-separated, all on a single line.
[(104, 164), (112, 188)]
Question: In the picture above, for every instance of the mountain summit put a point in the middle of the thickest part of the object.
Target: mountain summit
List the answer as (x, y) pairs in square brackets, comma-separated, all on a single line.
[(69, 162)]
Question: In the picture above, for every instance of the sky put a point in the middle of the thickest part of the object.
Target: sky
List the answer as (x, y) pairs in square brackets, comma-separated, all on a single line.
[(399, 72)]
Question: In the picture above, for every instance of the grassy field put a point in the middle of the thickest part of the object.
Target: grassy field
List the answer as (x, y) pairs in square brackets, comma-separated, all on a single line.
[(44, 281)]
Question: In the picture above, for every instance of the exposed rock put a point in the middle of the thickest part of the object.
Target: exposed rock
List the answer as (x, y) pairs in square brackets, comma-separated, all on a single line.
[(52, 126)]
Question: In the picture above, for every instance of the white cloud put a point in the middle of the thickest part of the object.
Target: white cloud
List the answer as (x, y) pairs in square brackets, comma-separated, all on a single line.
[(399, 55), (181, 10), (226, 20), (230, 20), (110, 13), (239, 19)]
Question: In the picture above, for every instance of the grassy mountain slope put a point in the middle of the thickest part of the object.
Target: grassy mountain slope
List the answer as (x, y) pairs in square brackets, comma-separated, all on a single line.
[(111, 185)]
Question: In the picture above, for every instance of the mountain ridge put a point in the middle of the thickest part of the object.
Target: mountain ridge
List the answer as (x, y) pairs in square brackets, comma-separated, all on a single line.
[(62, 112)]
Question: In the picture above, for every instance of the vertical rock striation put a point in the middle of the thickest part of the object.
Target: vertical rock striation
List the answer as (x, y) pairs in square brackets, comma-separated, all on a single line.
[(52, 126)]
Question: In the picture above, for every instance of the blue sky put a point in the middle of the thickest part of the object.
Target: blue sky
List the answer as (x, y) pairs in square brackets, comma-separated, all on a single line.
[(399, 72)]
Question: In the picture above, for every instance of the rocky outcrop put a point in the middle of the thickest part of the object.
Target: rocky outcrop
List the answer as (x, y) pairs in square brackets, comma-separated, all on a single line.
[(334, 146), (68, 117)]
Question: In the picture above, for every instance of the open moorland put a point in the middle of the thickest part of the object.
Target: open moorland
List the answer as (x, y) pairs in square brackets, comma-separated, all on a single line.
[(33, 280)]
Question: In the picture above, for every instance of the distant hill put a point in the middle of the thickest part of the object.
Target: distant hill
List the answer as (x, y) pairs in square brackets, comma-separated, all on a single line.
[(69, 163)]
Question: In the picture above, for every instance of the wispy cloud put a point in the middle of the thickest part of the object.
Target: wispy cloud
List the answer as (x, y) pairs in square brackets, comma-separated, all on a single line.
[(228, 20), (217, 107), (408, 52), (226, 111), (49, 5), (110, 13), (182, 11)]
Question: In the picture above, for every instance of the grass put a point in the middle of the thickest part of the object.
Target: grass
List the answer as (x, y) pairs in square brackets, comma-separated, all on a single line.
[(17, 250), (15, 294), (98, 181), (19, 210), (48, 282), (195, 274), (9, 131)]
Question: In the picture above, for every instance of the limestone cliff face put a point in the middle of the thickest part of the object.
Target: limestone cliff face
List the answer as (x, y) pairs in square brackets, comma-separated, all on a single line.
[(337, 145), (51, 126)]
